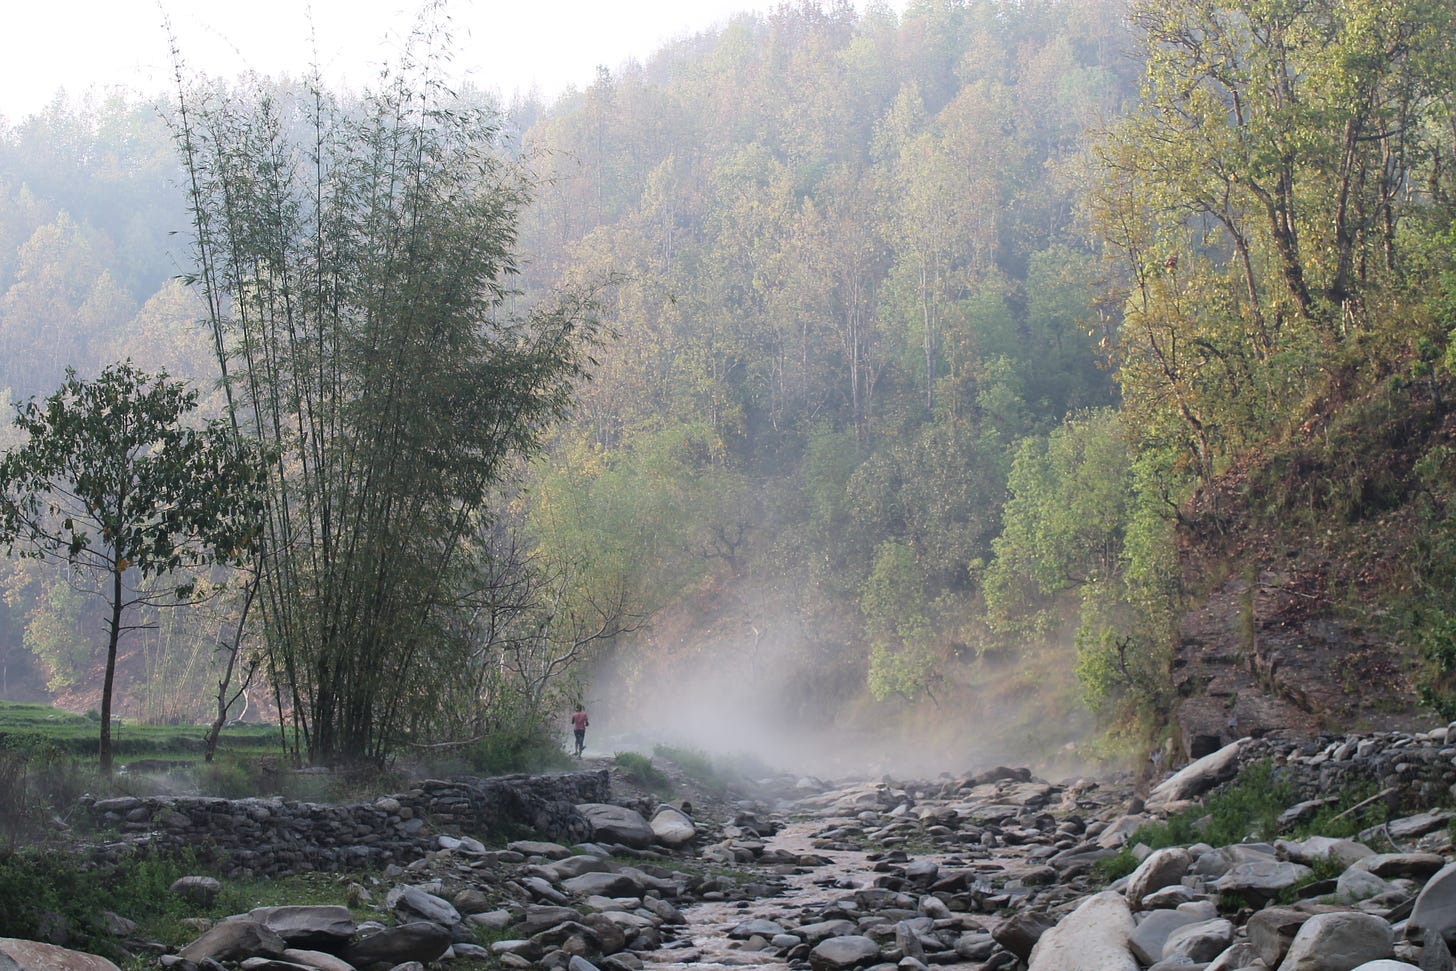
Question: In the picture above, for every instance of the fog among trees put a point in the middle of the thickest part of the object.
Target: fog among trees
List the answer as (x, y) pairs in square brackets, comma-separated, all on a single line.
[(912, 337)]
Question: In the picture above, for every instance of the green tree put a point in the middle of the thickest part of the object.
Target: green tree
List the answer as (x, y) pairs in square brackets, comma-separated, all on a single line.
[(898, 624), (110, 480), (358, 264)]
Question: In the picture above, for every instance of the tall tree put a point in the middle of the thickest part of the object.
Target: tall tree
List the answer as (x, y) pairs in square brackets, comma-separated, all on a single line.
[(358, 260), (109, 480)]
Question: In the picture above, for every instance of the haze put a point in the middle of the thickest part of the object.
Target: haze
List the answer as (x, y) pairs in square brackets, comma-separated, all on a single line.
[(121, 45)]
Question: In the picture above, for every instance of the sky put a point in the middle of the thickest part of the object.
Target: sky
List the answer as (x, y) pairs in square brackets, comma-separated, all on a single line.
[(507, 45)]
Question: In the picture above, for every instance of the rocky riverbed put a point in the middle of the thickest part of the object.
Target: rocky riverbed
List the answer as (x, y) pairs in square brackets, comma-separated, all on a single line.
[(984, 871)]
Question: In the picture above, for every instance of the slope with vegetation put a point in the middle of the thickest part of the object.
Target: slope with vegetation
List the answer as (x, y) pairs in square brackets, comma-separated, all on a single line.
[(1081, 358)]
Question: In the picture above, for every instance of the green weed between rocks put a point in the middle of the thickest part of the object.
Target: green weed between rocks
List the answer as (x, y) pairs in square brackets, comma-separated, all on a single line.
[(1248, 807), (50, 897)]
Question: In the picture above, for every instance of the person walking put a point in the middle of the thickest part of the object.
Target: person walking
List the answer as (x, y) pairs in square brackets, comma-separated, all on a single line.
[(579, 721)]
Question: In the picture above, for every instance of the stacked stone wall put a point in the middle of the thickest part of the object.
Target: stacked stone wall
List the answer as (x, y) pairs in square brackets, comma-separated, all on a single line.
[(1419, 770), (276, 836)]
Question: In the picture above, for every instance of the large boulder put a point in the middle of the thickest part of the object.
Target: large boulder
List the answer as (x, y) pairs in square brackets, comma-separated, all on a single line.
[(1260, 881), (1198, 777), (619, 884), (420, 940), (1152, 932), (1272, 930), (234, 940), (617, 824), (21, 955), (1435, 908), (412, 903), (320, 927), (840, 953), (1162, 868), (1094, 937), (673, 827), (1200, 942), (1338, 941)]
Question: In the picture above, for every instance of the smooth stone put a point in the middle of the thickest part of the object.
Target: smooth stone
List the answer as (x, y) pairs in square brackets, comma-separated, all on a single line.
[(1094, 937)]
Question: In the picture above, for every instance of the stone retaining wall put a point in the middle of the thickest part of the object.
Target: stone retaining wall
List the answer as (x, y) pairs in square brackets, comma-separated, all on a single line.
[(1420, 768), (271, 837)]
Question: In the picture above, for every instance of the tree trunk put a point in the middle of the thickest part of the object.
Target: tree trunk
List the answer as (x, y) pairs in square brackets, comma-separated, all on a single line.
[(113, 634)]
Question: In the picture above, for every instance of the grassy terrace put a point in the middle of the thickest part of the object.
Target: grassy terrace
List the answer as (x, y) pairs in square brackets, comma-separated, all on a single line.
[(28, 727)]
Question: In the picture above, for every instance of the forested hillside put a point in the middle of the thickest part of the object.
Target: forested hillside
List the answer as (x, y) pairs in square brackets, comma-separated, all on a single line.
[(976, 373)]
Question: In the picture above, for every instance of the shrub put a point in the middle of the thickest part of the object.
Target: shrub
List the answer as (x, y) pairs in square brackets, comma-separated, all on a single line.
[(696, 765), (50, 897), (639, 770), (516, 749), (37, 780)]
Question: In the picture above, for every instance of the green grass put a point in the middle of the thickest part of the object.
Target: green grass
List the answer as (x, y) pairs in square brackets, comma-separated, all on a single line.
[(24, 726), (46, 890), (1249, 806), (639, 770), (51, 890)]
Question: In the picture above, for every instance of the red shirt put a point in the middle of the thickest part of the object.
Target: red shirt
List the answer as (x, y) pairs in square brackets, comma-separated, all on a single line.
[(578, 720)]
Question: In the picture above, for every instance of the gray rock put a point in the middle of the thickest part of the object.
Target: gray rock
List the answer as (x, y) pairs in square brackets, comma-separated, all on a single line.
[(1094, 937), (1262, 880), (312, 927), (412, 902), (552, 851), (1392, 865), (36, 956), (1435, 956), (1355, 884), (321, 960), (616, 824), (1272, 930), (1200, 942), (1162, 868), (538, 918), (620, 884), (673, 827), (1319, 848), (1151, 933), (421, 941), (234, 940), (839, 953), (1020, 933), (1338, 941), (824, 929), (1435, 907), (758, 927), (1237, 956), (1198, 777)]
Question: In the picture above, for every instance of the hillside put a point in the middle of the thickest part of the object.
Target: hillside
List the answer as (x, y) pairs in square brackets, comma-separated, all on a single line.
[(1318, 573), (975, 384)]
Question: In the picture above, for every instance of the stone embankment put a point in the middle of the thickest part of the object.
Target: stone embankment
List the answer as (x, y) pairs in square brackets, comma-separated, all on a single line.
[(989, 871), (275, 837)]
